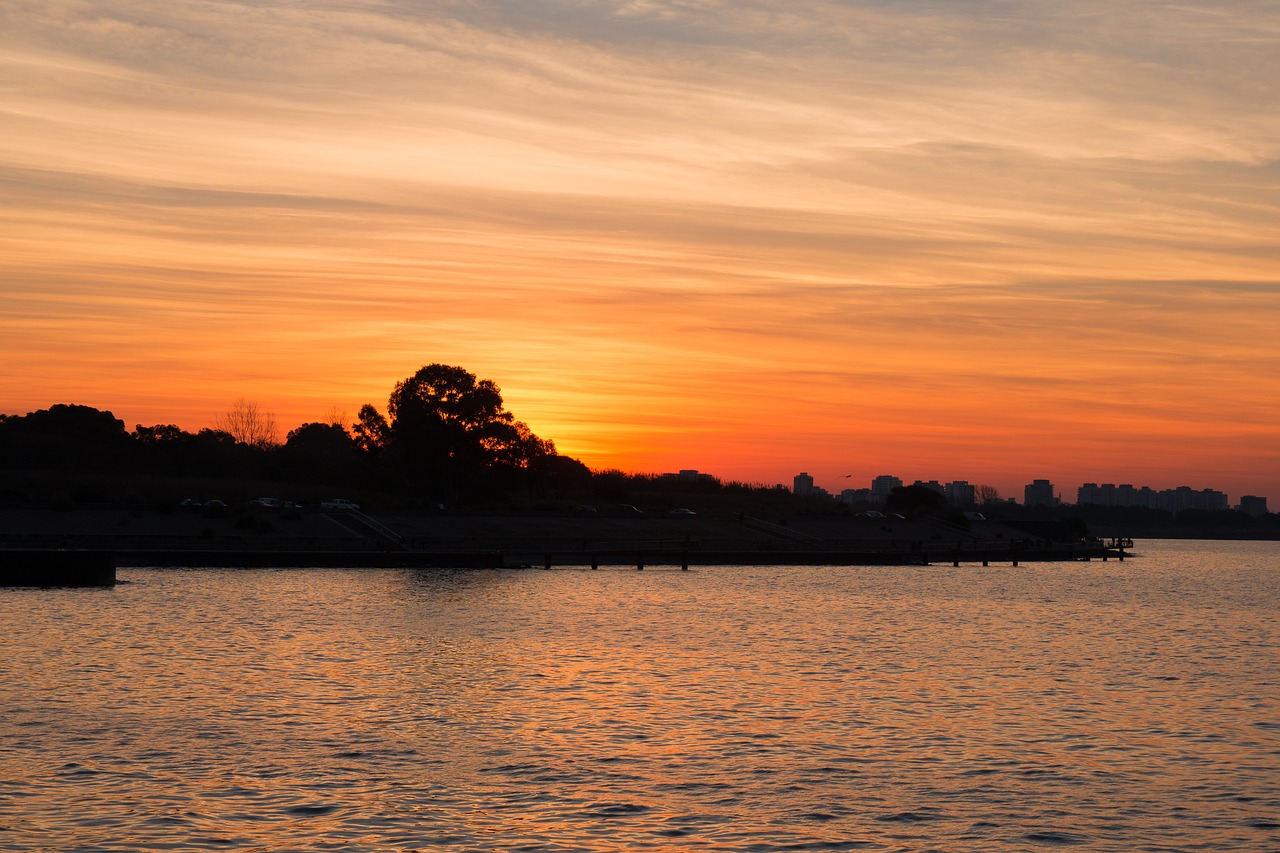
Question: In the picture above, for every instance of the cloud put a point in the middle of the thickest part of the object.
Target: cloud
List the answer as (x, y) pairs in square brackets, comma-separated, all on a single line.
[(1017, 214)]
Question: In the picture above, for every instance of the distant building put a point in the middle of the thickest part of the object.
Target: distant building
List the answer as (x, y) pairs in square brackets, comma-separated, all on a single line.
[(959, 493), (1185, 497), (1169, 500), (932, 484), (855, 497), (691, 475), (802, 484), (1109, 494), (881, 487), (1039, 493), (1253, 505)]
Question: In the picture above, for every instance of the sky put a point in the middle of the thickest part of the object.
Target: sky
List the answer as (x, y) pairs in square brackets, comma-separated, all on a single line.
[(990, 240)]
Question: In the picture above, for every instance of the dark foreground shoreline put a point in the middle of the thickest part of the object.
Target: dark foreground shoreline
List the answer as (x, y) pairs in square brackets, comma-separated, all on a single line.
[(60, 568), (50, 549)]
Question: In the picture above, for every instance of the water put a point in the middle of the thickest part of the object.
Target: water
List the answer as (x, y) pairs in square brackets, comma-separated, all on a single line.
[(1099, 706)]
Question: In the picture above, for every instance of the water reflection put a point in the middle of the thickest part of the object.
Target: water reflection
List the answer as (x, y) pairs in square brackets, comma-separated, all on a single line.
[(736, 709)]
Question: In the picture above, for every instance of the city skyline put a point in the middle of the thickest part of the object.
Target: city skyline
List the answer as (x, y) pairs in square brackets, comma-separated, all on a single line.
[(1046, 492), (995, 240)]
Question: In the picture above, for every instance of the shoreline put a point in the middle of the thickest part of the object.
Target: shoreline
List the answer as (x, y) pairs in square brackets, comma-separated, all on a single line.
[(332, 539), (53, 567)]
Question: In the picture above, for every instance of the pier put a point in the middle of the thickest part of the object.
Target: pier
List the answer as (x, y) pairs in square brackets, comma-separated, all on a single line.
[(84, 547), (686, 556)]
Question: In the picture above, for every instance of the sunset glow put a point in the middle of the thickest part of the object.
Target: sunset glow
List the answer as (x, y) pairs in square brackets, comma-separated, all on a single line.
[(991, 241)]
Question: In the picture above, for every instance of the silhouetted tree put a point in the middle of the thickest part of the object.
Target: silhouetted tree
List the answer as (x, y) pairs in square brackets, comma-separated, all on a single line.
[(371, 431), (66, 437), (163, 448), (560, 476), (448, 432), (319, 453), (336, 416), (516, 448), (985, 495), (249, 424), (916, 501), (214, 452)]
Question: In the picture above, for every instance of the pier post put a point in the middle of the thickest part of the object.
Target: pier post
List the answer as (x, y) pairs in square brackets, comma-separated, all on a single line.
[(595, 561), (546, 561), (956, 561), (640, 562), (684, 560)]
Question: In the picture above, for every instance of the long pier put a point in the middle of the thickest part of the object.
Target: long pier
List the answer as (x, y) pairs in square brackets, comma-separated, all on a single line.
[(686, 557), (51, 568)]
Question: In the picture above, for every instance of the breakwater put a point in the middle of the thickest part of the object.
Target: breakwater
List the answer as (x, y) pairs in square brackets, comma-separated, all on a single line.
[(36, 567), (321, 539), (48, 568)]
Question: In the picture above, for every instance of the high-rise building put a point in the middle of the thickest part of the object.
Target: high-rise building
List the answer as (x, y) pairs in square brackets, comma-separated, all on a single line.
[(881, 487), (802, 484), (1039, 493), (1253, 505), (959, 493), (1170, 500), (1185, 497), (855, 497)]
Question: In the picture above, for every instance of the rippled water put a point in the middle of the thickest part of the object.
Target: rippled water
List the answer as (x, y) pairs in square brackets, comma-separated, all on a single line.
[(1107, 706)]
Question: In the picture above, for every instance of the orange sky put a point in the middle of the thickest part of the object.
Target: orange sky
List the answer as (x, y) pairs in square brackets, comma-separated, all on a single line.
[(990, 240)]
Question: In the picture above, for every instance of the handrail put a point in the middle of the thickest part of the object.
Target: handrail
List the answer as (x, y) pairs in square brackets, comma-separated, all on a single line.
[(777, 529), (373, 524)]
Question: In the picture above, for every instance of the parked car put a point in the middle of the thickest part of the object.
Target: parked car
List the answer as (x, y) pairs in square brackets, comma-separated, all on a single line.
[(628, 509), (339, 503), (215, 509), (682, 511), (191, 503)]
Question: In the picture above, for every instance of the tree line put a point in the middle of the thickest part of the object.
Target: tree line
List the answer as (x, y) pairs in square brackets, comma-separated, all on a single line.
[(445, 436)]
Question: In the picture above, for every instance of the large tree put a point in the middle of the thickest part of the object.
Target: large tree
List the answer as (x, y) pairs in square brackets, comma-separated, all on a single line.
[(449, 433), (68, 437)]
